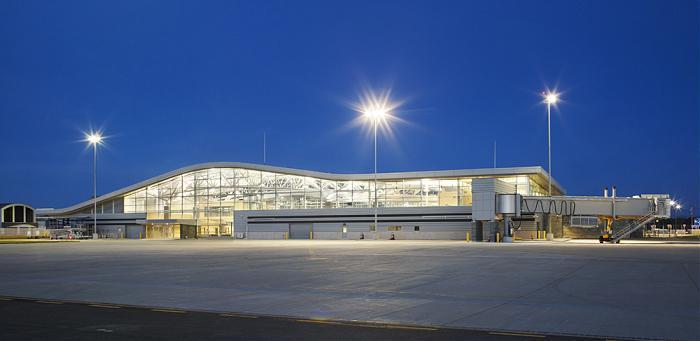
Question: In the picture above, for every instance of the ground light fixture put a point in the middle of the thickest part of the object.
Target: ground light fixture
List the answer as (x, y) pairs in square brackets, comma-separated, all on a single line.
[(551, 98), (94, 139)]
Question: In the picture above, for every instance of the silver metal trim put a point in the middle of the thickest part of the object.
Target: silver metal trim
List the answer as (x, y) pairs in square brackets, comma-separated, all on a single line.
[(537, 170)]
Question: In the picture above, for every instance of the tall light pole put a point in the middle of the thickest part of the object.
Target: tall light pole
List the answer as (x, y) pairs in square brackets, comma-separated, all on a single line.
[(550, 98), (375, 114), (674, 222), (670, 216), (94, 139), (377, 109)]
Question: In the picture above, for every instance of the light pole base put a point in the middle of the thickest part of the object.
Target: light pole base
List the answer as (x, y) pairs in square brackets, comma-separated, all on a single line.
[(95, 236), (507, 239), (550, 236)]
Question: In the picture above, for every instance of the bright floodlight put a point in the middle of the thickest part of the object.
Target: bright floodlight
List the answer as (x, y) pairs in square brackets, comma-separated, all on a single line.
[(375, 113), (678, 206), (377, 107), (673, 203), (93, 138), (551, 97)]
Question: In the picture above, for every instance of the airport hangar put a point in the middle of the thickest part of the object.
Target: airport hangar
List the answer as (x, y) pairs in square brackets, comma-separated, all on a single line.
[(253, 201)]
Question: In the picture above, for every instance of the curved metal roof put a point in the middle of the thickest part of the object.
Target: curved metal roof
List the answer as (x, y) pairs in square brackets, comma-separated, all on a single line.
[(538, 171), (5, 204)]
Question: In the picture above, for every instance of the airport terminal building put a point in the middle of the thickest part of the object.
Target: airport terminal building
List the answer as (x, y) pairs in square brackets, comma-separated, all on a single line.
[(242, 200)]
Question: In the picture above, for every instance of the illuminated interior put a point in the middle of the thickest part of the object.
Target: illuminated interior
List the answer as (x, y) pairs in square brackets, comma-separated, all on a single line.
[(210, 196)]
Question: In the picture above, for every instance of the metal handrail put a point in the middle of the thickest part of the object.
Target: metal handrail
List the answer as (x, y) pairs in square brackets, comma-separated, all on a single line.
[(633, 226)]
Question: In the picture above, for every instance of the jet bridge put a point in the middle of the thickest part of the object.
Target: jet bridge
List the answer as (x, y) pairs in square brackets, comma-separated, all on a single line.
[(495, 201), (616, 207)]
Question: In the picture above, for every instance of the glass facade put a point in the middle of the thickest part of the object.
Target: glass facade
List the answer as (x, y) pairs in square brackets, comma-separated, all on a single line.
[(210, 196)]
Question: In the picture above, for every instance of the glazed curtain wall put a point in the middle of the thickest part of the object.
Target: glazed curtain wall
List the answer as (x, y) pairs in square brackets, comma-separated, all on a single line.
[(210, 196)]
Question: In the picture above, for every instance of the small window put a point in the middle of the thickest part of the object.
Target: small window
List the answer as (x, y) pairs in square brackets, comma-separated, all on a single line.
[(7, 215), (416, 228), (19, 214), (394, 228)]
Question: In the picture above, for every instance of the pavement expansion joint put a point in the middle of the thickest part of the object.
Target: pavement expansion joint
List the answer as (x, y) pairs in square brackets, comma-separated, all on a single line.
[(518, 334), (173, 311)]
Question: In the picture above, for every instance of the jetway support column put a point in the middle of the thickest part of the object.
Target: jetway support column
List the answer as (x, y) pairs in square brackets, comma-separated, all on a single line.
[(507, 238), (477, 231)]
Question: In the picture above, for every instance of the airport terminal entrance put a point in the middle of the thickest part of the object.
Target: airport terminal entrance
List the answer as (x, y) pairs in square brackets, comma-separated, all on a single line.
[(167, 230), (162, 231)]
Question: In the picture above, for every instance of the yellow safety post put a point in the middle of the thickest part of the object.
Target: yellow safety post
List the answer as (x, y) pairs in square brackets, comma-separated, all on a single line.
[(498, 237), (311, 235), (286, 236), (469, 237)]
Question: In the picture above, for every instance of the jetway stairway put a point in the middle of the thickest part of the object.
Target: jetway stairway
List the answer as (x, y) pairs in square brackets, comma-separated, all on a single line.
[(632, 226)]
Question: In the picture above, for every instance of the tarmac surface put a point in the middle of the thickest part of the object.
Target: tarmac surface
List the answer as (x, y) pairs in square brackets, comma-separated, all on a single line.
[(628, 290), (75, 321)]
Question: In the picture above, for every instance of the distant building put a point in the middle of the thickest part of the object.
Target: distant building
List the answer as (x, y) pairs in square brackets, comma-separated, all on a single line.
[(17, 215), (675, 223)]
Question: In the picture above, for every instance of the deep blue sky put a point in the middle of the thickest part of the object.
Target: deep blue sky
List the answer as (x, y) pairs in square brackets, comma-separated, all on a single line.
[(175, 83)]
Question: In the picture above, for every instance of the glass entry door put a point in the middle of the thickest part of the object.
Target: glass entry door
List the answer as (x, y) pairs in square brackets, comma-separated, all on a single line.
[(163, 231)]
